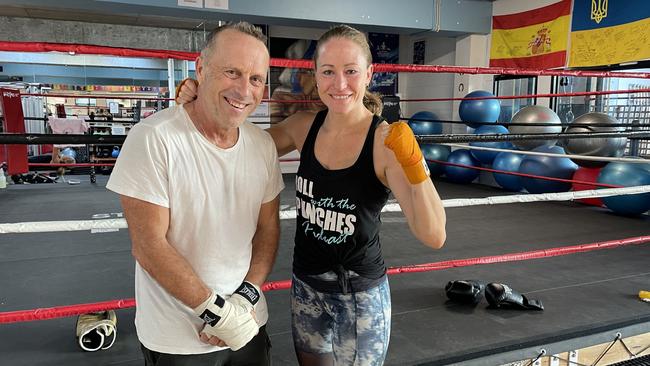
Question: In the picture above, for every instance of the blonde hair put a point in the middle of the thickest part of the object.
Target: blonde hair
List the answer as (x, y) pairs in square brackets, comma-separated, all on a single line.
[(371, 101)]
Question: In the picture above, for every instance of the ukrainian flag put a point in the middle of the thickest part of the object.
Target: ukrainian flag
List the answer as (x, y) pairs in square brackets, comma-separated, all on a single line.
[(609, 32), (533, 39)]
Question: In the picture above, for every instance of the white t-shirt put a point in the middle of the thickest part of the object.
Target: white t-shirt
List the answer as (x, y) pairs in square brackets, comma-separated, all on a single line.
[(214, 197)]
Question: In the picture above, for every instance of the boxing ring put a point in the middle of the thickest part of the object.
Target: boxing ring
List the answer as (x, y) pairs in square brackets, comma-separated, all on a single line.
[(588, 296), (60, 258)]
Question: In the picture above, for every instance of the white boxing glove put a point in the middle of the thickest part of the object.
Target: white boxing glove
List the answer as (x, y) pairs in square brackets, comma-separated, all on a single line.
[(232, 323), (96, 331)]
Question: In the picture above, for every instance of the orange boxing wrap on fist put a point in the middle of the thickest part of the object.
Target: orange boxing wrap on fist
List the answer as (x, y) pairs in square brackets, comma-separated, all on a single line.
[(401, 140)]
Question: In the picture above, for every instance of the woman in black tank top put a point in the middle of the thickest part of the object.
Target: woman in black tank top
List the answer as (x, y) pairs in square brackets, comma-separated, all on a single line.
[(350, 159)]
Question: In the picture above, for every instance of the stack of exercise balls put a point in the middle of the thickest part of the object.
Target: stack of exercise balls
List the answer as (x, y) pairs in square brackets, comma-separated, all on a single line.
[(475, 113), (621, 174), (482, 115), (534, 119)]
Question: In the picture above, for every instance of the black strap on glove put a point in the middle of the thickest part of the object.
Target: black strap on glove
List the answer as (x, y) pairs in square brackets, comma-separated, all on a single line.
[(465, 291), (249, 292), (502, 296)]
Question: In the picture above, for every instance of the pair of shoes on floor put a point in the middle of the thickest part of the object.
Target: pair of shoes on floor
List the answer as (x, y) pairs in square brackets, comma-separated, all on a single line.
[(498, 295), (96, 331)]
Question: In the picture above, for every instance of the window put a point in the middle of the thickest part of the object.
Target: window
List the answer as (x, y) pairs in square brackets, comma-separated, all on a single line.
[(85, 102), (508, 85)]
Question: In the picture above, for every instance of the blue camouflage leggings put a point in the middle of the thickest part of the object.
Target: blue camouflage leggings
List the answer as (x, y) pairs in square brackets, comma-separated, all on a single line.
[(350, 329)]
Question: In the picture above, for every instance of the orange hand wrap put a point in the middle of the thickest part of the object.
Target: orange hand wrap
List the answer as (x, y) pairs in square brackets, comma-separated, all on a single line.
[(401, 140)]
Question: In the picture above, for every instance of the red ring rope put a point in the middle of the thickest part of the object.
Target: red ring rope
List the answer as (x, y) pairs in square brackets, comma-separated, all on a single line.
[(71, 310)]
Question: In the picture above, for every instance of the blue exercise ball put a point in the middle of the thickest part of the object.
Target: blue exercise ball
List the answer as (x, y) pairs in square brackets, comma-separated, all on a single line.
[(426, 127), (627, 175), (482, 110), (435, 152), (508, 162), (458, 174), (645, 167), (547, 166), (484, 156)]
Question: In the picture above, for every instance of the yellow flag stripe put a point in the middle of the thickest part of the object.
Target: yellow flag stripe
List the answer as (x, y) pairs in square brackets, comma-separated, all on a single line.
[(531, 40)]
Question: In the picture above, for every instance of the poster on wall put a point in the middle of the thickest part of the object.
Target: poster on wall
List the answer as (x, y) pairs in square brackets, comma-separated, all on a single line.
[(289, 83), (385, 50), (419, 50)]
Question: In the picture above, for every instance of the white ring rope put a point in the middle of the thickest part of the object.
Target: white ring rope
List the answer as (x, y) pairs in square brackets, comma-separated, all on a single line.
[(573, 156), (81, 225), (542, 197), (53, 226)]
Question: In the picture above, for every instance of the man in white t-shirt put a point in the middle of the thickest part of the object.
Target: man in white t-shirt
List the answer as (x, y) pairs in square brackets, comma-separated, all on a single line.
[(200, 191)]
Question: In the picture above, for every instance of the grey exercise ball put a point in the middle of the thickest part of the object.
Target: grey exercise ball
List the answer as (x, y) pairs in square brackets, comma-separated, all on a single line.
[(535, 114), (606, 146)]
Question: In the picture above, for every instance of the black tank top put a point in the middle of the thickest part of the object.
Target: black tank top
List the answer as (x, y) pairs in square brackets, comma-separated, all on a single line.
[(338, 213)]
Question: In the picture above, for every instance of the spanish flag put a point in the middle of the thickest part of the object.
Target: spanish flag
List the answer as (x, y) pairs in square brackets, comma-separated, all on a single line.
[(609, 32), (533, 39)]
